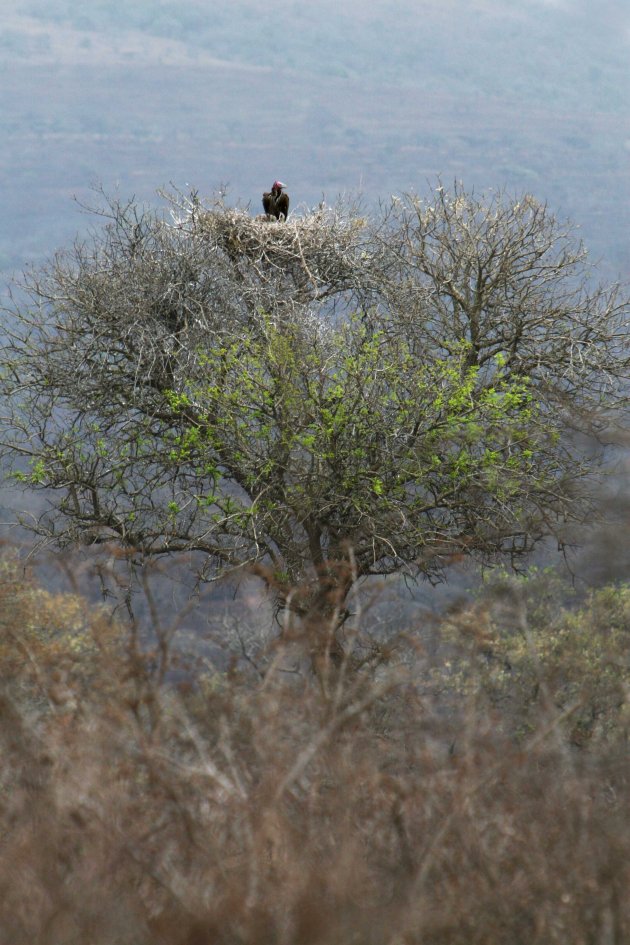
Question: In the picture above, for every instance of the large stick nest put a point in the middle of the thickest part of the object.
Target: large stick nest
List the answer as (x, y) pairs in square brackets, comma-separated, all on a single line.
[(318, 252)]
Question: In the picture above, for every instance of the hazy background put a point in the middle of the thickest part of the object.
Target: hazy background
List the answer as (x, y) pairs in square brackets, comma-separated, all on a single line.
[(337, 96), (333, 97)]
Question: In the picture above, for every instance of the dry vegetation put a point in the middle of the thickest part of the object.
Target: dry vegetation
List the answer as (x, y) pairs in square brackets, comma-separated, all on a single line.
[(399, 807)]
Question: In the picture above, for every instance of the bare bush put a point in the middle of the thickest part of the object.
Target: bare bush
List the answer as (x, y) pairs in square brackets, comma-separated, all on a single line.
[(135, 811)]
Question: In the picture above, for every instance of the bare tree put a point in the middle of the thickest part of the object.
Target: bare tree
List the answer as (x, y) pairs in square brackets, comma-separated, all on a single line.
[(329, 399), (505, 277)]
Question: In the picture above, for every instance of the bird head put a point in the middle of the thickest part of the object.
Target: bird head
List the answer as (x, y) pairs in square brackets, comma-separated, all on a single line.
[(278, 185)]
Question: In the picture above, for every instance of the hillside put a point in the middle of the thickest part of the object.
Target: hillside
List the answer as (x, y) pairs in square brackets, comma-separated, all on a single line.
[(332, 98)]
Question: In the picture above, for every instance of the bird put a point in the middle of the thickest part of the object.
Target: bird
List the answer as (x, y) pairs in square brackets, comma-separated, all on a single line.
[(275, 203)]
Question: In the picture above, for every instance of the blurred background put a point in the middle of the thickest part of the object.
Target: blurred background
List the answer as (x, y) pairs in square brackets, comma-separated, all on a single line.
[(331, 97)]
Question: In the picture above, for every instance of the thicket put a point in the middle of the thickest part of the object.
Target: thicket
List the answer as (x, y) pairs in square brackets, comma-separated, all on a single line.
[(409, 805)]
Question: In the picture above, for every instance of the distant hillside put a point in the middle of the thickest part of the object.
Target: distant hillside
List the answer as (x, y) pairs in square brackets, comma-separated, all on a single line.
[(377, 98), (535, 51)]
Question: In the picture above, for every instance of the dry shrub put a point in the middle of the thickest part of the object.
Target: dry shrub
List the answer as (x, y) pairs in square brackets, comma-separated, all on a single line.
[(218, 811), (528, 656)]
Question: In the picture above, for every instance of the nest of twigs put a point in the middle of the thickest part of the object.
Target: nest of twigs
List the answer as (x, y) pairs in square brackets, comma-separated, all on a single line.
[(315, 250)]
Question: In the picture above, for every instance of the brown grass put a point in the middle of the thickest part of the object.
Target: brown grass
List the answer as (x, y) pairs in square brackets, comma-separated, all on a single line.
[(219, 810)]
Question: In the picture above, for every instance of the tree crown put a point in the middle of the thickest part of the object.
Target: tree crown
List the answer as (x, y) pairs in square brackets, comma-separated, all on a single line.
[(401, 387)]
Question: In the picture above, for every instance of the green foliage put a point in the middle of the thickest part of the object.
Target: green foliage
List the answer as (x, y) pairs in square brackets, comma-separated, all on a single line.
[(572, 661), (394, 392), (357, 418), (52, 636)]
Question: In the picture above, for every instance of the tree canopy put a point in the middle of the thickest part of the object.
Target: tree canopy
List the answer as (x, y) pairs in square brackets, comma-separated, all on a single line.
[(387, 392)]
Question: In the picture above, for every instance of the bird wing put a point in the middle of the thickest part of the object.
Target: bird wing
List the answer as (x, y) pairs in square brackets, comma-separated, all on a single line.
[(282, 204)]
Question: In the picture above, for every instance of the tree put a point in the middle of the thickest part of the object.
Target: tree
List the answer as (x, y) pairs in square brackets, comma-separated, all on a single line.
[(326, 400)]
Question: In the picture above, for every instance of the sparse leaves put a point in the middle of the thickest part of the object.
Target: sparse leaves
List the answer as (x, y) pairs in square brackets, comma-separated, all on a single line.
[(268, 393)]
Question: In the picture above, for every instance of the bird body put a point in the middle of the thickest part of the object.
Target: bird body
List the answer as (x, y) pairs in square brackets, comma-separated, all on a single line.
[(275, 203)]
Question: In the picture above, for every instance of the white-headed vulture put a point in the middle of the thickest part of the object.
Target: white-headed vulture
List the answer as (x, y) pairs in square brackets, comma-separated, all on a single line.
[(275, 203)]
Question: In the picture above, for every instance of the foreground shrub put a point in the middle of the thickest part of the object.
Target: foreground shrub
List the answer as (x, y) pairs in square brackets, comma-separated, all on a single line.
[(138, 811), (528, 656)]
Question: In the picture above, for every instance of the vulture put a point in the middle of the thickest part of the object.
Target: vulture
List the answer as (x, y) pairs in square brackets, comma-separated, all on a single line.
[(275, 203)]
